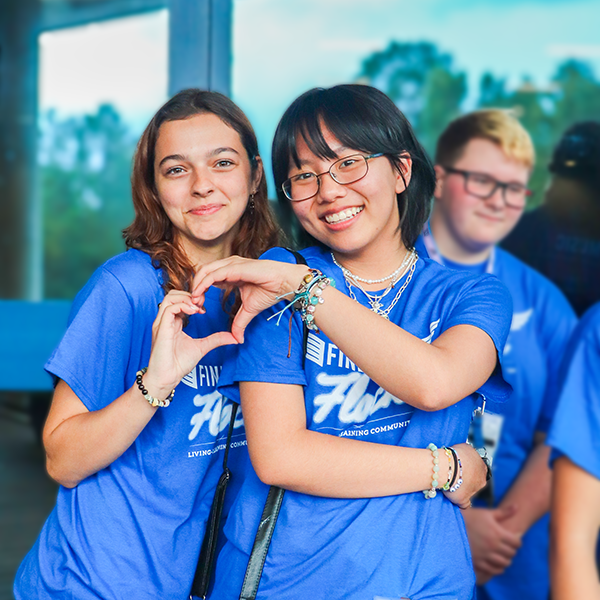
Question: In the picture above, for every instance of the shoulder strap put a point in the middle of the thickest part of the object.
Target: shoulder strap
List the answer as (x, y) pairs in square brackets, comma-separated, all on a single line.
[(208, 550), (270, 513)]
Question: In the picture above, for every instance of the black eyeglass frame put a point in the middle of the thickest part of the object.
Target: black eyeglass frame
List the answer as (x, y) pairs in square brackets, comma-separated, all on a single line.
[(497, 184), (319, 175)]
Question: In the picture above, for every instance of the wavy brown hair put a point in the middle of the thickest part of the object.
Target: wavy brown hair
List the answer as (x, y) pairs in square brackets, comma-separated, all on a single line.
[(152, 231)]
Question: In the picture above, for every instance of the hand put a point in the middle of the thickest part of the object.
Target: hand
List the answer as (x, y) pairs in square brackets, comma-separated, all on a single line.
[(474, 475), (261, 284), (174, 353), (492, 545)]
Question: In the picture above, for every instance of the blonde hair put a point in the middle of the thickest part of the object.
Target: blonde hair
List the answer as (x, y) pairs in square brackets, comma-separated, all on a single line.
[(499, 126)]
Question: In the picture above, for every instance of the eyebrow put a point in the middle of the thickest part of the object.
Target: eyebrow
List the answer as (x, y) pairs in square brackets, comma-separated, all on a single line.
[(337, 151), (215, 152)]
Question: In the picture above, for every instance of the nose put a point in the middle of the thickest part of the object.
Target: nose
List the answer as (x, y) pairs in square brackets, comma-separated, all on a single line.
[(496, 200), (201, 183), (329, 189)]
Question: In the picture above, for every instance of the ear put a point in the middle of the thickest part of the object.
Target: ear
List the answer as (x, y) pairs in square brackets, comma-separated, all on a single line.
[(257, 173), (403, 173), (440, 181)]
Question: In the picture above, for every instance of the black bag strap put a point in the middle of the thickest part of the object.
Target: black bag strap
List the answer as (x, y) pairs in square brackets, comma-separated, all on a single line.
[(208, 550), (270, 513)]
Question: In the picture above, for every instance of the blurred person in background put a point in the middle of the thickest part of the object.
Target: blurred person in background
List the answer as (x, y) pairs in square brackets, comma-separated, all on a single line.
[(138, 472), (575, 439), (483, 163), (561, 238)]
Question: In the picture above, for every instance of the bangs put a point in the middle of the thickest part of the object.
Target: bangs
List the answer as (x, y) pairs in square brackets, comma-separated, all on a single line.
[(338, 112)]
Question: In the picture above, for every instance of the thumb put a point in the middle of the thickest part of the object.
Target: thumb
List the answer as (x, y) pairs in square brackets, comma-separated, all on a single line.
[(240, 322), (215, 340), (506, 512)]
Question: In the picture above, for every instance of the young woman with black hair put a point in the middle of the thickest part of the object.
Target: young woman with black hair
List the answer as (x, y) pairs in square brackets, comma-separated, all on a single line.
[(400, 351)]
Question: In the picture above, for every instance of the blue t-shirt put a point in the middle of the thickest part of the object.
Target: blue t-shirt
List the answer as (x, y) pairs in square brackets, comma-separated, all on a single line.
[(575, 431), (542, 323), (362, 548), (133, 530)]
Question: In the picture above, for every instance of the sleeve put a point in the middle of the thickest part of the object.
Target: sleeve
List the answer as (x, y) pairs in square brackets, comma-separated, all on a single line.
[(93, 355), (575, 430), (558, 322), (487, 305), (273, 346)]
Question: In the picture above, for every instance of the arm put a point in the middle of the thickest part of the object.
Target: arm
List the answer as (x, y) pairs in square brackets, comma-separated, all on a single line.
[(285, 453), (426, 376), (495, 534), (574, 532), (529, 495), (79, 442)]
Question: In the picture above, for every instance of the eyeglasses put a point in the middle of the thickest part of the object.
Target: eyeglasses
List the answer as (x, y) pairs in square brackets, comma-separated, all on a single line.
[(483, 186), (344, 171)]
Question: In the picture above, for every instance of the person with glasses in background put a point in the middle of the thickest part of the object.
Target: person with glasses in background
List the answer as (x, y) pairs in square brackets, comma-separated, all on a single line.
[(575, 439), (483, 163), (561, 238), (362, 422)]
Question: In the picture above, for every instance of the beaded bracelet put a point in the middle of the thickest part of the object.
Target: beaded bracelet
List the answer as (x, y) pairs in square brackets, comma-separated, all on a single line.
[(306, 298), (152, 401), (432, 492), (459, 481), (455, 469), (451, 471)]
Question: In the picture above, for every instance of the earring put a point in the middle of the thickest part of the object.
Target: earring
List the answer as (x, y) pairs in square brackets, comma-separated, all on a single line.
[(251, 204)]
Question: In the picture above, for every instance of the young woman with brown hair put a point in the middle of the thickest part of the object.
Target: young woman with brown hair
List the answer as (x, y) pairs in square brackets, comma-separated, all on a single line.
[(137, 466)]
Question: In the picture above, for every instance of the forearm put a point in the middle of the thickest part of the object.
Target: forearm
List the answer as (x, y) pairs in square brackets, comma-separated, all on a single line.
[(427, 376), (286, 454), (84, 443), (574, 532), (530, 493)]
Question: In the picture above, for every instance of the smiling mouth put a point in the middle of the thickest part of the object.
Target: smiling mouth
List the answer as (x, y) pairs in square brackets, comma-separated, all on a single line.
[(207, 209), (344, 215)]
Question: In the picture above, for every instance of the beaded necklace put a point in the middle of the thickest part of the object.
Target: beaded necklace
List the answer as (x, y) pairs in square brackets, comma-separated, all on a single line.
[(375, 303)]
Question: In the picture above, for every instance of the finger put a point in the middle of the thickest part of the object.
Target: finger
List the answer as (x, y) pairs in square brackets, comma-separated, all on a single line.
[(240, 322), (205, 271), (497, 562), (172, 312), (505, 512), (174, 297), (215, 340)]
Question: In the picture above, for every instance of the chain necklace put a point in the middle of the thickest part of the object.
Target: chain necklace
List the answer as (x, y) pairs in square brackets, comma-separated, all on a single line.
[(374, 300), (348, 273)]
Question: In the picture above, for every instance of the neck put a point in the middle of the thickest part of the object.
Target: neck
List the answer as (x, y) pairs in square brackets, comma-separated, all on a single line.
[(451, 248), (373, 265), (202, 254)]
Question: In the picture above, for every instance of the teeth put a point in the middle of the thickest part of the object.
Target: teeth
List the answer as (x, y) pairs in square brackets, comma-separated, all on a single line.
[(343, 215)]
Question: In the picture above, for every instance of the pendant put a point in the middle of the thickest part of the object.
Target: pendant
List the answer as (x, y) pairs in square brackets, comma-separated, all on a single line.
[(376, 305)]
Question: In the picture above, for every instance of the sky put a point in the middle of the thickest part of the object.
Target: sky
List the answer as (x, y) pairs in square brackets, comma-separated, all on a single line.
[(121, 61), (282, 48), (321, 43)]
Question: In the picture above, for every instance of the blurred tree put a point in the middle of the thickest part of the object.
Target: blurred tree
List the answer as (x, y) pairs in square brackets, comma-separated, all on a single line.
[(420, 80), (85, 167), (578, 95)]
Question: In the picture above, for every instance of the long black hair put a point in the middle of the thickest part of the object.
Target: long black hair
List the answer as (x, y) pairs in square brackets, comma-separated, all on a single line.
[(364, 119)]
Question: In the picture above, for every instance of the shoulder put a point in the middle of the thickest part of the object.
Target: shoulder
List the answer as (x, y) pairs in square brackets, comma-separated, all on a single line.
[(588, 328), (459, 282), (528, 283), (126, 279), (315, 257), (132, 271)]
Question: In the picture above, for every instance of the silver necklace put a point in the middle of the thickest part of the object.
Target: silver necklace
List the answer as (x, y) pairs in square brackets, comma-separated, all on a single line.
[(375, 301), (348, 273)]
